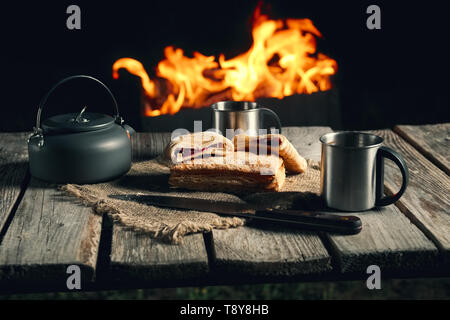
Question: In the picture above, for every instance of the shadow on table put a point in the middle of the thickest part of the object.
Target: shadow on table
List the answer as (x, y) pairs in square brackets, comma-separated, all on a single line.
[(13, 173), (287, 200), (156, 183)]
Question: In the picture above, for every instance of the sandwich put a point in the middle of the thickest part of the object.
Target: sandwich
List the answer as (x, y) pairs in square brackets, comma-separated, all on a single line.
[(232, 172)]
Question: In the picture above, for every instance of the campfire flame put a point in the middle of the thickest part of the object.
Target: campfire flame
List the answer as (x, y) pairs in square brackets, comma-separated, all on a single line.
[(282, 61)]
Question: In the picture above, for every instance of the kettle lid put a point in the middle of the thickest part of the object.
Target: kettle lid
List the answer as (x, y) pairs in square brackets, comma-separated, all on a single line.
[(77, 122)]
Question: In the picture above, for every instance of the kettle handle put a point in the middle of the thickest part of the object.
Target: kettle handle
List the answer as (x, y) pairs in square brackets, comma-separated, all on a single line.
[(117, 117)]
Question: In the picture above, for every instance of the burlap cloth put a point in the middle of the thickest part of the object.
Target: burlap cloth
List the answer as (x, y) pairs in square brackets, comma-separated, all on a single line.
[(171, 225)]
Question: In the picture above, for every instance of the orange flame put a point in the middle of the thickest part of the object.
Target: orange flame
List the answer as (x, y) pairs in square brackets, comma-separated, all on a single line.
[(282, 61)]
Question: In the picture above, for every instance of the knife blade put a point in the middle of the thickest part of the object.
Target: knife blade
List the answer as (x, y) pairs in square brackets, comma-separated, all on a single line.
[(308, 220)]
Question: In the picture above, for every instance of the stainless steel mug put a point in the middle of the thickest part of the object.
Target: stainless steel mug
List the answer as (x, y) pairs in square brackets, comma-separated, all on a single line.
[(352, 171), (240, 115)]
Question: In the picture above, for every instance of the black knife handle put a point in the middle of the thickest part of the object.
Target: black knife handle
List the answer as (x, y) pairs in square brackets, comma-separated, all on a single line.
[(308, 220)]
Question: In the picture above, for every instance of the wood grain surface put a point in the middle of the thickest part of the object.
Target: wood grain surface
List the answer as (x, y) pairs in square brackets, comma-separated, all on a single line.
[(147, 145), (432, 140), (137, 257), (427, 199), (49, 232), (13, 171), (388, 239)]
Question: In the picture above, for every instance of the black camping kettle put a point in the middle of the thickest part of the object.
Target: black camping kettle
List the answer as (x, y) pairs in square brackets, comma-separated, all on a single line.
[(81, 147)]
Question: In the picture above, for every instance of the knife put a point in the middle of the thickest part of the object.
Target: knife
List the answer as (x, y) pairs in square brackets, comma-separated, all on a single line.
[(306, 220)]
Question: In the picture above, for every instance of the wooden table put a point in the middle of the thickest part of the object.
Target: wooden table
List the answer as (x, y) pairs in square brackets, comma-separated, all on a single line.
[(43, 231)]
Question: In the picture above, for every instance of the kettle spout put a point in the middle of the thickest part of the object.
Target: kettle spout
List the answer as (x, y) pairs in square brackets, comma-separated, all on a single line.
[(130, 131)]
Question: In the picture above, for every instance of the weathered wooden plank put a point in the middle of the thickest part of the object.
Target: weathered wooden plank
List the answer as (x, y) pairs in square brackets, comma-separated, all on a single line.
[(138, 257), (427, 200), (13, 170), (388, 239), (433, 141), (147, 145), (256, 252), (276, 252), (306, 140), (49, 232)]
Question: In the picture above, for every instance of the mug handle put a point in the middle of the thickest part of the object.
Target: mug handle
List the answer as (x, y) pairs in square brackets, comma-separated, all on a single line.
[(273, 115), (385, 152)]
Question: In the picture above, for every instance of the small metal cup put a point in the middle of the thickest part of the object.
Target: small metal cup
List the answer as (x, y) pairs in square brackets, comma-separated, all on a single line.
[(352, 171), (242, 116)]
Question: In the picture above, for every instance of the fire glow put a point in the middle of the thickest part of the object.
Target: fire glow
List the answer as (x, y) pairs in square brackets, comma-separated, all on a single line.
[(282, 61)]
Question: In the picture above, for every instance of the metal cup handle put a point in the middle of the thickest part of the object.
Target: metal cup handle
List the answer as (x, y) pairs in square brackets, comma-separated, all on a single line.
[(385, 152), (273, 115)]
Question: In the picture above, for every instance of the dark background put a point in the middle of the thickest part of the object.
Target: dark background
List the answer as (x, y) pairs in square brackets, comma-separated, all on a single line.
[(398, 74)]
